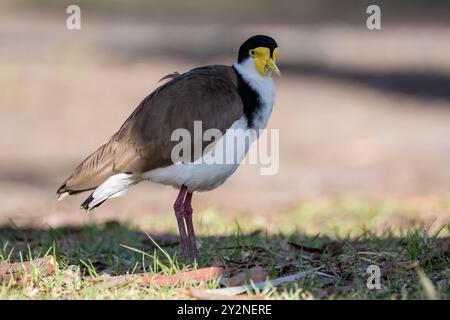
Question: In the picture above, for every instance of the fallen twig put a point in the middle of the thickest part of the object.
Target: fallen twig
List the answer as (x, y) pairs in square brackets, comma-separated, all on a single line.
[(198, 276), (232, 291), (20, 271)]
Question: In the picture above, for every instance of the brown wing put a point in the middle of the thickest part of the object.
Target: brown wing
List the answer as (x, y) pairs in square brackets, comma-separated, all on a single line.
[(207, 94)]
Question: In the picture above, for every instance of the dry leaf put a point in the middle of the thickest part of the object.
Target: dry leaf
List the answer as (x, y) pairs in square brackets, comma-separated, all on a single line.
[(255, 274), (407, 265), (215, 262), (20, 271), (71, 277), (198, 276)]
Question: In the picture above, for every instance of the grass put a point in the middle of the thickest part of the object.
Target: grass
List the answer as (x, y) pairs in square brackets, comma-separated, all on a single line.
[(341, 237)]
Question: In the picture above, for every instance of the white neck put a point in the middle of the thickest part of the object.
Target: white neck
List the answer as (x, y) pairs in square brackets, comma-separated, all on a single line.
[(262, 85)]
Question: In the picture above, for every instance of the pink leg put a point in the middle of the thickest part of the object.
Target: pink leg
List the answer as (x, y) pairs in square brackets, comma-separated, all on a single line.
[(190, 226), (179, 213)]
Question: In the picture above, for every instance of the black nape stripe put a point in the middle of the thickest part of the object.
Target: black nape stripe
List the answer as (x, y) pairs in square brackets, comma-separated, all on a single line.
[(250, 99)]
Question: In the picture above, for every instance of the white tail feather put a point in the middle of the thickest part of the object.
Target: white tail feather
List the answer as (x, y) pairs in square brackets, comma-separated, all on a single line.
[(115, 186)]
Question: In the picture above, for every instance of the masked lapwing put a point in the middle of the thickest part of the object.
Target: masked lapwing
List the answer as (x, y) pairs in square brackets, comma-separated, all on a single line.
[(219, 97)]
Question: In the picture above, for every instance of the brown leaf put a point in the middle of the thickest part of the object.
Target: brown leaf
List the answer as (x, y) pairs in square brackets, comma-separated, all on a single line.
[(20, 271), (255, 274), (407, 265), (215, 262), (198, 276), (106, 282)]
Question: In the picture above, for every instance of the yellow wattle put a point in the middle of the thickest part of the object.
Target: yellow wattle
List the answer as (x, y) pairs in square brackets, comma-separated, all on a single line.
[(261, 55), (260, 66)]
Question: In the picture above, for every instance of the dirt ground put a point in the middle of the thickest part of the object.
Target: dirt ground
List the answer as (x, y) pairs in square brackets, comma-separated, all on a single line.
[(363, 116)]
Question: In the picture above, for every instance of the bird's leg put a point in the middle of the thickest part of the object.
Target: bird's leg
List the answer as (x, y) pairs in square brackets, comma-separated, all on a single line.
[(190, 226), (179, 213)]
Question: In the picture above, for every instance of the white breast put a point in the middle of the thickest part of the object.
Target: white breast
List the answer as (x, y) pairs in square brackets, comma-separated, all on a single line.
[(205, 174)]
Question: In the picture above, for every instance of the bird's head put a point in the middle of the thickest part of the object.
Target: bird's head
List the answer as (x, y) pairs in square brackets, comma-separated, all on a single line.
[(263, 51)]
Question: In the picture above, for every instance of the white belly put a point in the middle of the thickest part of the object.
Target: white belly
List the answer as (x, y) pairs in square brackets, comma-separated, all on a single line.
[(206, 173)]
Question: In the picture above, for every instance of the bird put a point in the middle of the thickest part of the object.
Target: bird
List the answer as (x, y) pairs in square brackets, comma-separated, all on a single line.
[(224, 98)]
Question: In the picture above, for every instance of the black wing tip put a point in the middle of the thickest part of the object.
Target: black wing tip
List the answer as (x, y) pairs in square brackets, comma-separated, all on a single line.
[(87, 202), (63, 193), (62, 189)]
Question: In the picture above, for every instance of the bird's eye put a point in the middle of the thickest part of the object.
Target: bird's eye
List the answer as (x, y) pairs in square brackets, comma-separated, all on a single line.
[(252, 53)]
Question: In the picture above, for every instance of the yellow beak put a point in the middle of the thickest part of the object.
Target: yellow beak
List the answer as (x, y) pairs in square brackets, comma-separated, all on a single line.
[(271, 65), (263, 62)]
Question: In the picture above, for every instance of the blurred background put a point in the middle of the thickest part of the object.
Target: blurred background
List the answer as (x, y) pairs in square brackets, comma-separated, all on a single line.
[(363, 114)]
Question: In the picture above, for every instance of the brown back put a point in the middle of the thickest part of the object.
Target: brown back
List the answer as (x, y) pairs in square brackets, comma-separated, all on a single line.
[(208, 94)]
